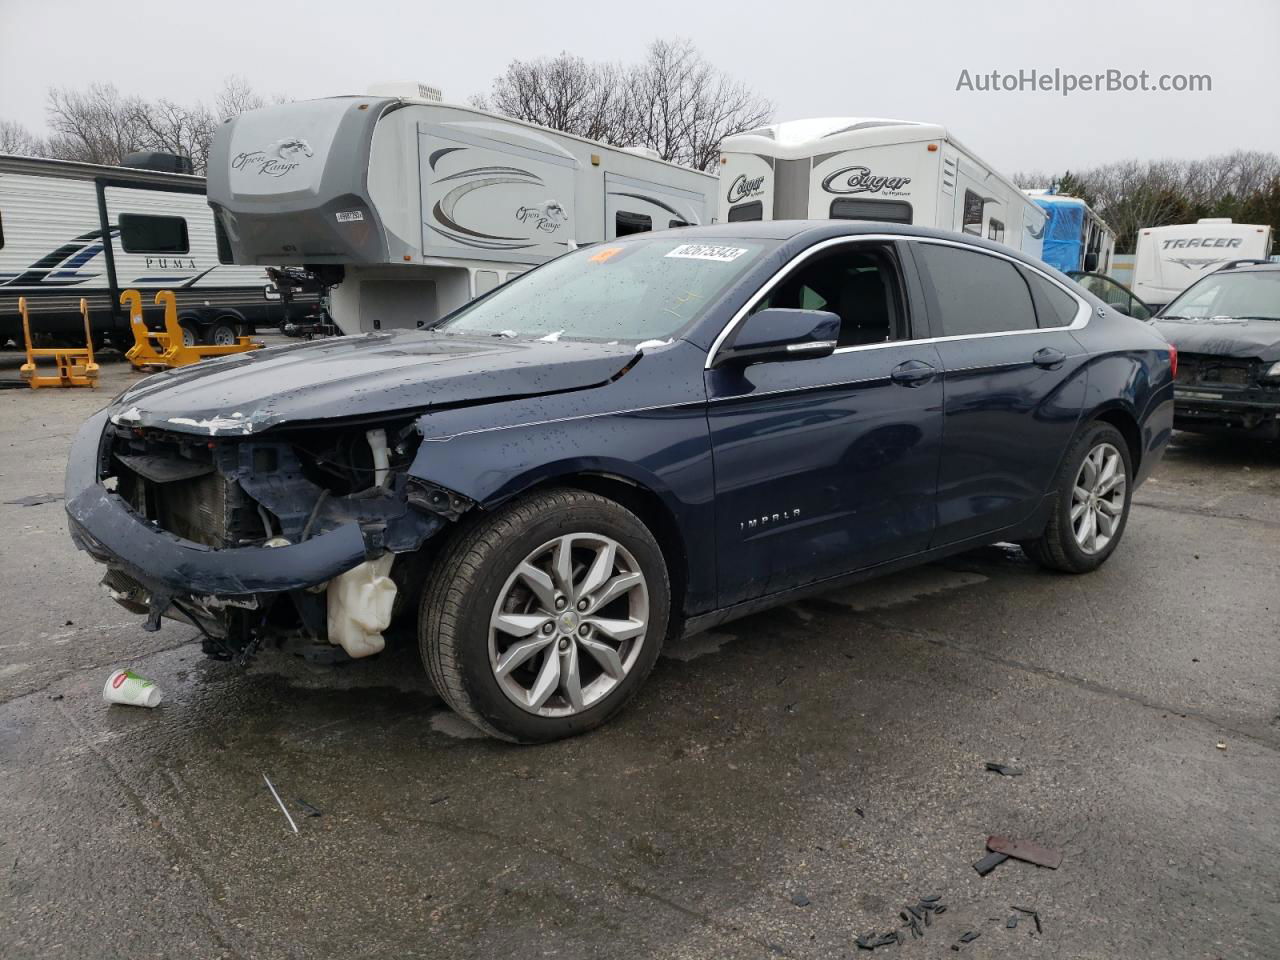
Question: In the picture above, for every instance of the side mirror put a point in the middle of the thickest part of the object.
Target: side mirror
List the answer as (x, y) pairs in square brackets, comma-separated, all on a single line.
[(780, 333), (1090, 263)]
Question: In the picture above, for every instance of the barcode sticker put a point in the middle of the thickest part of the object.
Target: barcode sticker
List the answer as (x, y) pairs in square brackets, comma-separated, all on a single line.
[(349, 216), (707, 251)]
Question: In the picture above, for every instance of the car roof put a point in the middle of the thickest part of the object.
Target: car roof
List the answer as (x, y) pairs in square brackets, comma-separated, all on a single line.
[(1250, 268), (806, 232)]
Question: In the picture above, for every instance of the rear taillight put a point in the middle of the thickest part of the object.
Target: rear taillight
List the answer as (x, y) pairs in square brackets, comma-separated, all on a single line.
[(1173, 361)]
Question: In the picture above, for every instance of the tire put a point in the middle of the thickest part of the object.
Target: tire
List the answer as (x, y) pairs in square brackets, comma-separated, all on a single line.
[(475, 581), (1061, 546), (222, 332), (190, 333)]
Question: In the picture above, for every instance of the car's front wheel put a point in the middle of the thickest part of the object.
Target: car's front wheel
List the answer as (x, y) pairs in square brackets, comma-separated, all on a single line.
[(1094, 490), (543, 619)]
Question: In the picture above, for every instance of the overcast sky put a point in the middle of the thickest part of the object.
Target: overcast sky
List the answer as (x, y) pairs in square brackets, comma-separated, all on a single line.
[(897, 58)]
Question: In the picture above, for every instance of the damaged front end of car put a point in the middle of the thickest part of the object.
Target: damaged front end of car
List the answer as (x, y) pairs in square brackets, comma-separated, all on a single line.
[(291, 535)]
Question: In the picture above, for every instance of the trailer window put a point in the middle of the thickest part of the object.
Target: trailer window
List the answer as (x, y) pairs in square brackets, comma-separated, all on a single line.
[(972, 213), (882, 211), (146, 234), (746, 211), (224, 244), (995, 231), (626, 223), (486, 280)]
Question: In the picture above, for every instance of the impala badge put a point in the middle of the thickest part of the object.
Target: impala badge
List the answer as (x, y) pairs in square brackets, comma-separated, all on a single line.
[(768, 520)]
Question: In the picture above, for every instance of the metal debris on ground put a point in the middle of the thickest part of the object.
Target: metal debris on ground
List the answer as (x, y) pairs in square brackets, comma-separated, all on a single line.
[(1012, 922), (967, 937), (1004, 770), (283, 808), (309, 810), (1026, 850), (989, 863), (912, 915), (1033, 914), (35, 499), (799, 899)]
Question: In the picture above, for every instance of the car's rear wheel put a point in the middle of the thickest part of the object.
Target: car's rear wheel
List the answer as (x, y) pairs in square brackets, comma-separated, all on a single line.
[(1094, 489), (542, 620)]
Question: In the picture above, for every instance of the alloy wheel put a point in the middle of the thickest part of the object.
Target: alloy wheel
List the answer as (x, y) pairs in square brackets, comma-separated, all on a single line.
[(568, 625), (1098, 498)]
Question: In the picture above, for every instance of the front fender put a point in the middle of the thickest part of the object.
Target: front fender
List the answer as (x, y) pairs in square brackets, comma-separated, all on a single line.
[(665, 451)]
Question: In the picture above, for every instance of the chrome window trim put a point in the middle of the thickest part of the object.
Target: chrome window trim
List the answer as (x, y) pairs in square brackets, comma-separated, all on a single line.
[(1081, 320)]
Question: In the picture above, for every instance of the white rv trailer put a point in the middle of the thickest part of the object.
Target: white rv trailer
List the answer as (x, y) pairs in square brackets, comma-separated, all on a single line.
[(1075, 237), (1169, 259), (71, 230), (416, 206), (897, 171)]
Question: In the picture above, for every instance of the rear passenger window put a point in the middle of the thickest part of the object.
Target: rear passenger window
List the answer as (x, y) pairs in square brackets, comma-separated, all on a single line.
[(143, 234), (746, 211), (629, 223), (974, 292), (1054, 306)]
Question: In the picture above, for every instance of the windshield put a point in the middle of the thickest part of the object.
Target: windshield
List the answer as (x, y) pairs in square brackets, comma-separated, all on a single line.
[(1254, 294), (634, 290)]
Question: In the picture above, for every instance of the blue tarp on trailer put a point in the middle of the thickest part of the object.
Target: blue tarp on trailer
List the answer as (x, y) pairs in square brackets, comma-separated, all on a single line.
[(1063, 231)]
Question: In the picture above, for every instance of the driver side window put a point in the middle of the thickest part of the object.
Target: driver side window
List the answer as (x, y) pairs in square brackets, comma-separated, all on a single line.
[(862, 285)]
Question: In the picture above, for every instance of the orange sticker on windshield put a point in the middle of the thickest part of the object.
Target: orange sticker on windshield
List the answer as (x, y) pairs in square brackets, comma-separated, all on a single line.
[(605, 254)]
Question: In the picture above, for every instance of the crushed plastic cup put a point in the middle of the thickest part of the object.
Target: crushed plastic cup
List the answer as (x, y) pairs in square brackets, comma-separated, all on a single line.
[(133, 689)]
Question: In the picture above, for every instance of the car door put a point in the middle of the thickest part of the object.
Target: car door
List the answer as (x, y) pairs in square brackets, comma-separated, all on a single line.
[(1013, 384), (826, 465)]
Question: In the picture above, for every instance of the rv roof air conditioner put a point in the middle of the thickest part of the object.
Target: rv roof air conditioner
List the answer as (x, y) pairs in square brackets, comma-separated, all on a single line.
[(155, 160), (407, 90)]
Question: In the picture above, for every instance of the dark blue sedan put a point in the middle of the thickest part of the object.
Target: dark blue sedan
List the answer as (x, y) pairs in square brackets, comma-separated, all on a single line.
[(641, 439)]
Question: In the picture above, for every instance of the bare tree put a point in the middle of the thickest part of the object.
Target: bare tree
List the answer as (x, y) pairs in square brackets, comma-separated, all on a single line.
[(673, 102), (683, 107), (565, 93), (17, 139), (100, 125), (97, 125)]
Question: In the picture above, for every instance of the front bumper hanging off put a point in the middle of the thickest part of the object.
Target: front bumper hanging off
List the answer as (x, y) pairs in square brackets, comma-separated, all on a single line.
[(194, 578)]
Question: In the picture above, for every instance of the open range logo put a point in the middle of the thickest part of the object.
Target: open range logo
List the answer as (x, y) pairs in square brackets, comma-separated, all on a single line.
[(743, 188), (280, 158), (546, 216), (859, 179)]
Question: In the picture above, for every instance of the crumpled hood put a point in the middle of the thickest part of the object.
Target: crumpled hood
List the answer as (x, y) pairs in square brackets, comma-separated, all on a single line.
[(379, 373), (1224, 336)]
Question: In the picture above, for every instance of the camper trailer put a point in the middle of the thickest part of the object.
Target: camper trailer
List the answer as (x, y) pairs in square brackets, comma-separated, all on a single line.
[(72, 230), (897, 171), (1169, 259), (412, 207), (1075, 237)]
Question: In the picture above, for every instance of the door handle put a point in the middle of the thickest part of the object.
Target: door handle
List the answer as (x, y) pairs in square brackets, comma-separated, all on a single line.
[(912, 373), (1048, 358)]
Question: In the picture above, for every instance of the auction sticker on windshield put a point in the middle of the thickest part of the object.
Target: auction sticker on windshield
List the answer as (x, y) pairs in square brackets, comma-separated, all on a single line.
[(707, 251)]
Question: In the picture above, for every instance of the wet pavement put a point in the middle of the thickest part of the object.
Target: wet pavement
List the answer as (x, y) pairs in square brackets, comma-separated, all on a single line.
[(830, 754)]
